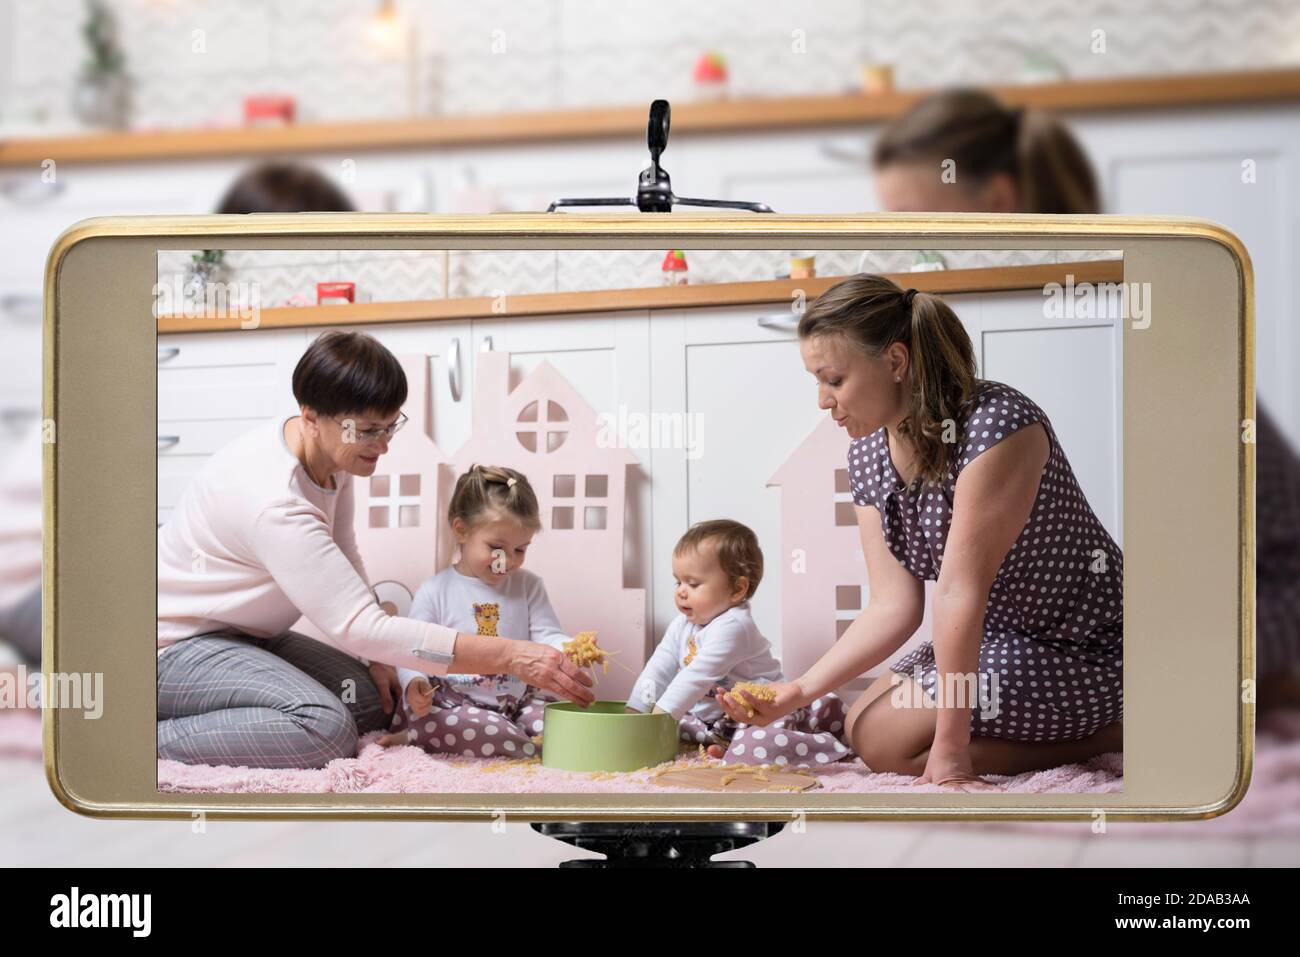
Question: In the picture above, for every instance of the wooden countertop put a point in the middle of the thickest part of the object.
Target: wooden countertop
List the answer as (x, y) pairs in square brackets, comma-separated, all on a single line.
[(629, 121), (538, 305)]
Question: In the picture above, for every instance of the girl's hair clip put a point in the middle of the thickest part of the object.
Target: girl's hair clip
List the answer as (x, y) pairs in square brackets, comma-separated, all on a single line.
[(510, 482)]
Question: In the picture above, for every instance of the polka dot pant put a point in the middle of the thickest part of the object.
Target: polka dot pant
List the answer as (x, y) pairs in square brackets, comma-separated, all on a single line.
[(805, 738), (460, 725)]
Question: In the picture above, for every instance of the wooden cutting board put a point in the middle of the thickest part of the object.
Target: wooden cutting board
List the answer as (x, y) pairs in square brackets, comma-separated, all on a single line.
[(712, 779)]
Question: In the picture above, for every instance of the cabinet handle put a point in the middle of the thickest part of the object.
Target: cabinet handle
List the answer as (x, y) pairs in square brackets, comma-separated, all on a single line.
[(453, 369), (168, 442), (24, 307), (781, 323), (29, 191), (169, 353)]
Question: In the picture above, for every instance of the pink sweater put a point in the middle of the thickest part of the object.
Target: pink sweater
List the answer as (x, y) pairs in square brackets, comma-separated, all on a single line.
[(254, 543), (20, 518)]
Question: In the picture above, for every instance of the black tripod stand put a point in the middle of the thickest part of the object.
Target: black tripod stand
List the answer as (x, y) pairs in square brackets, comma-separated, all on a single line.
[(654, 845), (654, 191)]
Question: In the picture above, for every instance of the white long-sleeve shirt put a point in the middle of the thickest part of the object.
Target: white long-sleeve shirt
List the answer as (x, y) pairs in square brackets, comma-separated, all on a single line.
[(730, 648), (254, 543), (523, 612)]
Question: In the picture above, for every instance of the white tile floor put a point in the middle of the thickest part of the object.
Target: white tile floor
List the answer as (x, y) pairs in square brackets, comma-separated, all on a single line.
[(36, 831)]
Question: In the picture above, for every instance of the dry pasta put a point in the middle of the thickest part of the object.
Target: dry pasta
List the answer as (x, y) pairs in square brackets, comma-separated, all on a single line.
[(761, 692), (583, 651)]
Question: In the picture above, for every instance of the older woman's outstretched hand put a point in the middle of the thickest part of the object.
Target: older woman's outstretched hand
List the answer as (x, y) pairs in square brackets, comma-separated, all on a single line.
[(738, 704), (545, 667)]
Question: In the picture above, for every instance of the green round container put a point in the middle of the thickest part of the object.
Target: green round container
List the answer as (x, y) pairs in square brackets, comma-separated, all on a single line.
[(602, 737)]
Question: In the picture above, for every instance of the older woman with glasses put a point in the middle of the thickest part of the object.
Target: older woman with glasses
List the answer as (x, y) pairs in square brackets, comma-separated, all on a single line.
[(264, 535)]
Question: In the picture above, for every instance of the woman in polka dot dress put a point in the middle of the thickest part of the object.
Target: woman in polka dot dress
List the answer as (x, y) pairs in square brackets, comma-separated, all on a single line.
[(960, 480)]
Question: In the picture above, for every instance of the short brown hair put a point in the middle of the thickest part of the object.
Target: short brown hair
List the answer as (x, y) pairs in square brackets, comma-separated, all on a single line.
[(349, 372), (734, 545), (487, 487), (284, 188)]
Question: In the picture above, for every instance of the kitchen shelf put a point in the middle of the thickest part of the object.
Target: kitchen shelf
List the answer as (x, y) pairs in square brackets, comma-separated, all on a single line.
[(1001, 278), (629, 121)]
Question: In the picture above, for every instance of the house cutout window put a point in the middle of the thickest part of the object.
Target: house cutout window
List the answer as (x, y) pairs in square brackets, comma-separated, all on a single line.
[(590, 503), (848, 604), (529, 415), (394, 508), (844, 513)]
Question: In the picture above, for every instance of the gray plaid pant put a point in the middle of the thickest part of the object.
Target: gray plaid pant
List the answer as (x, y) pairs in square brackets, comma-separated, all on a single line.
[(20, 626), (284, 702)]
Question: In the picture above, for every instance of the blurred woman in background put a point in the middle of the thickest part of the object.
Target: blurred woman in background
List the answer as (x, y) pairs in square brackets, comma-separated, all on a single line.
[(274, 187), (1013, 160), (1004, 159)]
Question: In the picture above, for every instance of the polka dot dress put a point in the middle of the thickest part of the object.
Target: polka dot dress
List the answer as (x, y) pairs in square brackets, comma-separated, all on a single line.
[(1051, 656), (1277, 549)]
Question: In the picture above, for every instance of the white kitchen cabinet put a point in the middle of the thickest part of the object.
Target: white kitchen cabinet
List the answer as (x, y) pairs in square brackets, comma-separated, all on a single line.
[(809, 171), (213, 387), (606, 358), (739, 387)]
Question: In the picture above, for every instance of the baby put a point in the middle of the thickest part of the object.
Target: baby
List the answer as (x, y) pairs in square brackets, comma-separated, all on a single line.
[(717, 566), (493, 514)]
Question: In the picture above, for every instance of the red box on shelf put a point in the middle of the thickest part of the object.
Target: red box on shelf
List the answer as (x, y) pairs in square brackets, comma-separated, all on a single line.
[(333, 292), (268, 110)]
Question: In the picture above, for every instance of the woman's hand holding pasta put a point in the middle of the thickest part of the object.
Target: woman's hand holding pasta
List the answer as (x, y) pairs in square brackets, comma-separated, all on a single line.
[(545, 667), (746, 704)]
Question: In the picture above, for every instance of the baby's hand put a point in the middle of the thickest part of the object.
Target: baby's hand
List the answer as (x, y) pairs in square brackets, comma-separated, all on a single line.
[(628, 709), (419, 697)]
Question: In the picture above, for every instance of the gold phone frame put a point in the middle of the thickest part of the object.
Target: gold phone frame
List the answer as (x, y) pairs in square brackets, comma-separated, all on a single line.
[(1188, 750)]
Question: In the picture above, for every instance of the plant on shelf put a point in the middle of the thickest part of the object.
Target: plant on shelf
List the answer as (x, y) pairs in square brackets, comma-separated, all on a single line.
[(208, 265), (102, 96)]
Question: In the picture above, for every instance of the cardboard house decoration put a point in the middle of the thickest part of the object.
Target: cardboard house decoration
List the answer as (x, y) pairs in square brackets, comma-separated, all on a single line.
[(824, 583), (543, 428), (399, 517)]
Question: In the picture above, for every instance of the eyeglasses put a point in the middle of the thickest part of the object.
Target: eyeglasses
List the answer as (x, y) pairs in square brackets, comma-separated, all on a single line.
[(370, 435)]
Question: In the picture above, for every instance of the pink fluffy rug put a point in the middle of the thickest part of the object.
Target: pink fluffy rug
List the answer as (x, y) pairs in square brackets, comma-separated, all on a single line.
[(411, 770), (1271, 806), (20, 734)]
